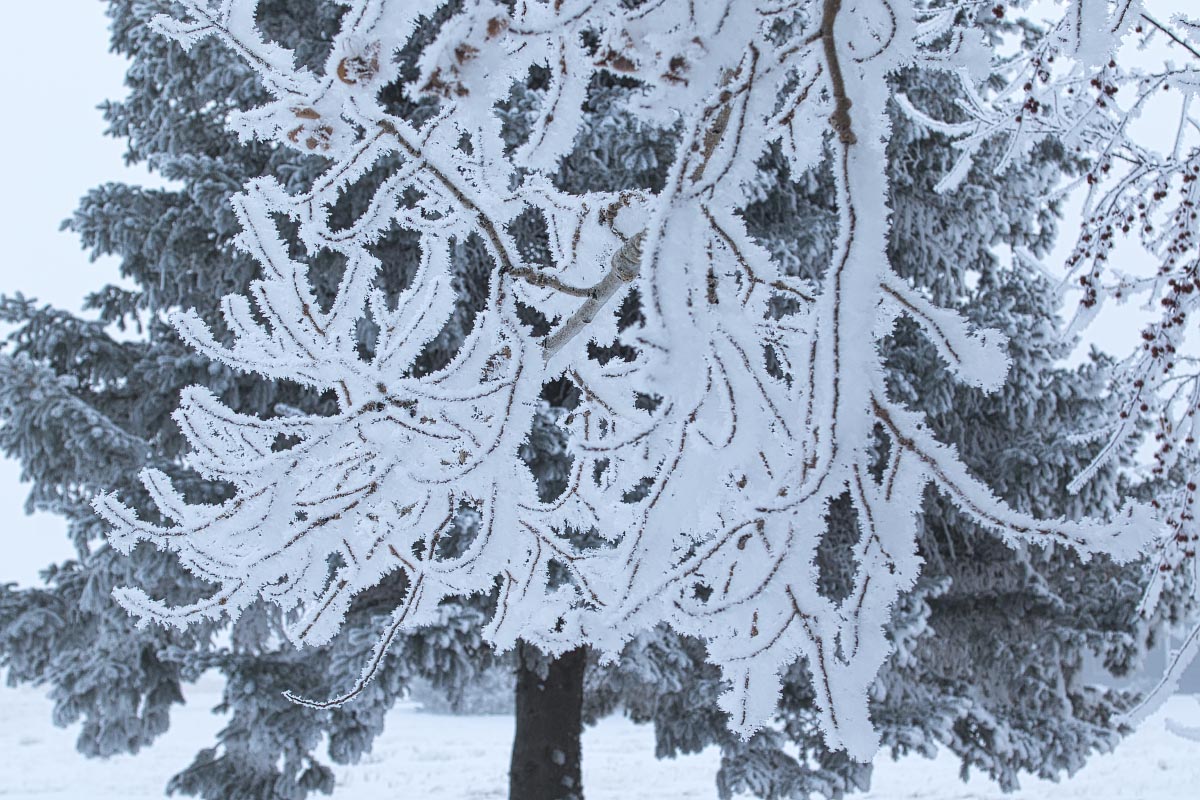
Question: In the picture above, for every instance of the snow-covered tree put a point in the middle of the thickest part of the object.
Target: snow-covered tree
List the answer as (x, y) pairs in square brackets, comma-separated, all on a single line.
[(690, 344), (792, 404)]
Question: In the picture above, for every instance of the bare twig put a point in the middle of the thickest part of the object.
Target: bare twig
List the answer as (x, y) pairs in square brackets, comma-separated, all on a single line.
[(1172, 35)]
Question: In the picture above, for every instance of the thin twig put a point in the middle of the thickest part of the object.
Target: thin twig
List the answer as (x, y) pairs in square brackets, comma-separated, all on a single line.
[(1171, 35)]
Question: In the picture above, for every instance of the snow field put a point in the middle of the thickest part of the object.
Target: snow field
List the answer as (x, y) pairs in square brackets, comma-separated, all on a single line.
[(434, 757)]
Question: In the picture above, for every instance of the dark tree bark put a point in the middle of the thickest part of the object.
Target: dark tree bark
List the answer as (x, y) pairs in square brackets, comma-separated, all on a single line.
[(546, 750)]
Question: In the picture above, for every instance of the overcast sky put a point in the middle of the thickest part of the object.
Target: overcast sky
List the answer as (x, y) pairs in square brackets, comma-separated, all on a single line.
[(55, 151)]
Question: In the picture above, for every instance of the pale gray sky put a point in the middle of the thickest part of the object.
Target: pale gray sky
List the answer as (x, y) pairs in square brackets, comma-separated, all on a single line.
[(55, 151)]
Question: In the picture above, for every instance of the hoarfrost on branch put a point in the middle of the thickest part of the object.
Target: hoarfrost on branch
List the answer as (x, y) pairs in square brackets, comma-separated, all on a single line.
[(706, 453)]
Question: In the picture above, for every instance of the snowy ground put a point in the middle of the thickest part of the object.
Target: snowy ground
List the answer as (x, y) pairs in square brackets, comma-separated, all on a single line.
[(432, 757)]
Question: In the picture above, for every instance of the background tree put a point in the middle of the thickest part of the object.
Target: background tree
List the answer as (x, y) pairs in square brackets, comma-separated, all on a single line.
[(112, 422), (1086, 78)]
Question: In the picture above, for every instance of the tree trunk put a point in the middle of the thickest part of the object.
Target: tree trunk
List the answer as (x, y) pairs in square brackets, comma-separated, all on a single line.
[(546, 752)]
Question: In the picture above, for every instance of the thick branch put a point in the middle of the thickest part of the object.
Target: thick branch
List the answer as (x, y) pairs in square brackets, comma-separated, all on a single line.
[(840, 119), (626, 263)]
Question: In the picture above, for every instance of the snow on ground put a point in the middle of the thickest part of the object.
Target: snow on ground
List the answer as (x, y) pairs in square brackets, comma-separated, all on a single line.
[(432, 757)]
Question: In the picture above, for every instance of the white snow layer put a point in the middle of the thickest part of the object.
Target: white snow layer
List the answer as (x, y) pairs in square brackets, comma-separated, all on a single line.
[(433, 757)]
